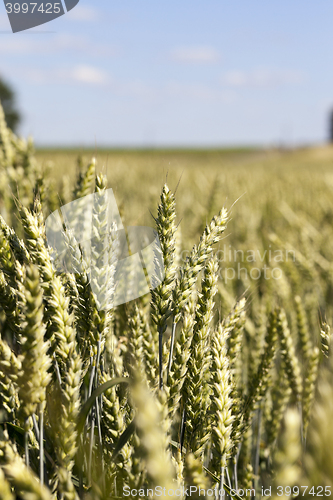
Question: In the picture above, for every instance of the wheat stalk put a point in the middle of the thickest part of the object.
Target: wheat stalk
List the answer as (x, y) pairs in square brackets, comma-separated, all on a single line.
[(221, 401)]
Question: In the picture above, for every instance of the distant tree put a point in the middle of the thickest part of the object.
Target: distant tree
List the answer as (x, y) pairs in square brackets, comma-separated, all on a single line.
[(7, 99)]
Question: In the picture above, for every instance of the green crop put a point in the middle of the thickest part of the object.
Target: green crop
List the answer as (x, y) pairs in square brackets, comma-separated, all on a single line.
[(217, 377)]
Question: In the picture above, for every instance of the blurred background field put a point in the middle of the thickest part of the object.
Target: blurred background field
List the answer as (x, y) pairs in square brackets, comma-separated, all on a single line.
[(205, 179), (280, 200)]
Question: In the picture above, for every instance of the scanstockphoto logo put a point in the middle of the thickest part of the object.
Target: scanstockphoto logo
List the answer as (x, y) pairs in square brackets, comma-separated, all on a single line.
[(25, 15), (86, 237)]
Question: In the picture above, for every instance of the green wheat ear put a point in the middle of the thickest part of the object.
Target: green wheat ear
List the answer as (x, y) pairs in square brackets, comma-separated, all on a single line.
[(16, 245), (318, 458), (289, 356), (325, 335), (221, 400), (10, 369), (166, 230), (194, 474), (281, 393), (303, 330), (195, 262), (161, 295), (288, 453), (309, 388), (235, 323), (196, 390), (85, 180), (178, 373), (8, 302), (153, 441), (20, 477), (258, 385), (35, 376)]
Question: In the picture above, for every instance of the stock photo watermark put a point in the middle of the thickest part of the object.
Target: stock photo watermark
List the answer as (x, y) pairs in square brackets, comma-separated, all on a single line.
[(253, 264), (189, 491), (160, 491), (25, 15), (87, 236)]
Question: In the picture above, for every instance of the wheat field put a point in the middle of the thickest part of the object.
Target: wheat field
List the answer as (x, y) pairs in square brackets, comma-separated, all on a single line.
[(218, 382)]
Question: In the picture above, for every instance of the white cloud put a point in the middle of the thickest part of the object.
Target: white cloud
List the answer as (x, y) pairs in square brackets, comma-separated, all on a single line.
[(80, 74), (83, 13), (195, 55), (88, 74), (34, 45), (53, 44), (261, 78)]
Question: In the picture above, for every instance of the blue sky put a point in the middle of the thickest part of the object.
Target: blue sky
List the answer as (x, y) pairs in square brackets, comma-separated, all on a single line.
[(189, 72)]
